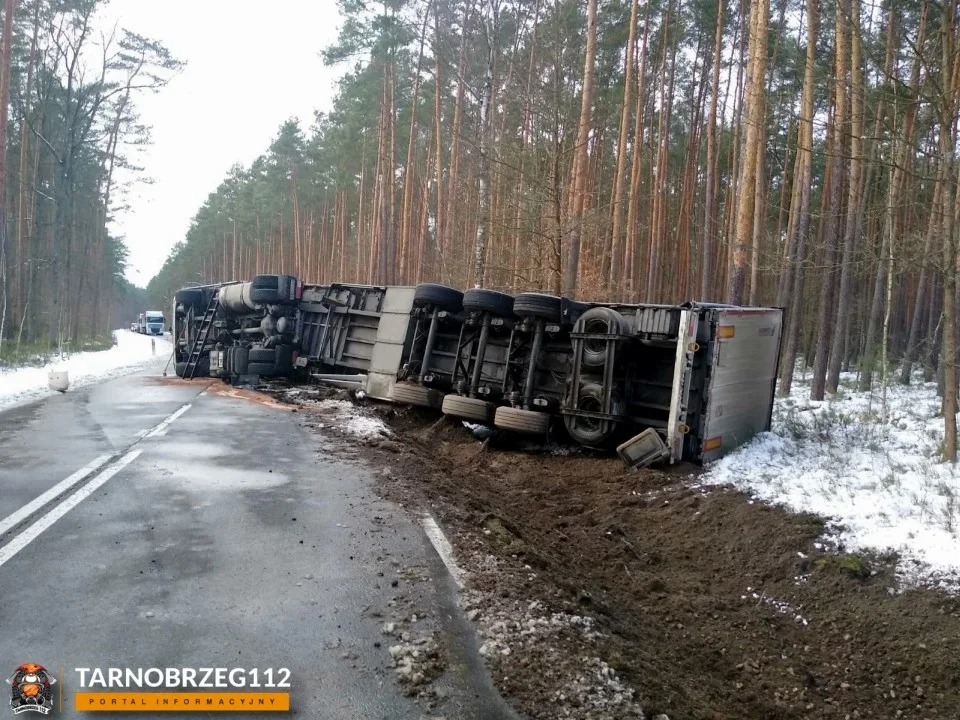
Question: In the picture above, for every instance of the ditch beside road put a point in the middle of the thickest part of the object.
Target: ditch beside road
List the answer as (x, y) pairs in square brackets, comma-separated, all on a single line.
[(597, 590)]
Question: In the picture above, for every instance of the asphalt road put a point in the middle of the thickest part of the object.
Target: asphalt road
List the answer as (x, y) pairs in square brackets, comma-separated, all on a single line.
[(214, 531)]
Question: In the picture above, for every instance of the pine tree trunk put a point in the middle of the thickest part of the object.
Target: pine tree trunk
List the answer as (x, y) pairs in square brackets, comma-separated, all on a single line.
[(855, 193), (802, 210), (894, 195), (5, 55), (827, 314), (409, 176), (632, 236), (710, 224), (754, 110), (620, 181), (483, 176), (454, 175), (948, 119), (578, 179)]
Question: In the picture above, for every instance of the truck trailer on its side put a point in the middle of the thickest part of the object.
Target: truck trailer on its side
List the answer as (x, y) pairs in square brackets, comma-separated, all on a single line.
[(662, 382)]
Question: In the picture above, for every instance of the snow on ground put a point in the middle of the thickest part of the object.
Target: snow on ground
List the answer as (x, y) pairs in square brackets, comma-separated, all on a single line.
[(131, 353), (353, 420), (878, 479)]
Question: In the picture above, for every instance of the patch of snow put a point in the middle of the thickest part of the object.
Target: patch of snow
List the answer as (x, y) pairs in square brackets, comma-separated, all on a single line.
[(354, 420), (132, 352), (876, 476)]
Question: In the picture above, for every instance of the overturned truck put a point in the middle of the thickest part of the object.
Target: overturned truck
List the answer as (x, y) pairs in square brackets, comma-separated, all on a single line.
[(659, 382)]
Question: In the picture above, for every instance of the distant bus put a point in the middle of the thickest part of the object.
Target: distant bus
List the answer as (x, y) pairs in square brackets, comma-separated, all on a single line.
[(150, 323)]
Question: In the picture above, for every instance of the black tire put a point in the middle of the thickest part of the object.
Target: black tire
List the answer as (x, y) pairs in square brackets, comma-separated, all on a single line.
[(261, 369), (272, 289), (202, 370), (189, 297), (240, 360), (538, 305), (468, 408), (262, 355), (488, 301), (416, 395), (529, 422), (440, 296), (284, 361), (604, 321), (589, 431), (203, 367)]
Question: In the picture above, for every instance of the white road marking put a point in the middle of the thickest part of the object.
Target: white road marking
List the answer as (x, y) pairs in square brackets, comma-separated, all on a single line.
[(32, 532), (18, 516), (441, 545), (162, 427)]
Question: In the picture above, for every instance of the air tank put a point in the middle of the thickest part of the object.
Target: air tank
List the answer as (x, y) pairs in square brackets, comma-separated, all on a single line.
[(236, 300)]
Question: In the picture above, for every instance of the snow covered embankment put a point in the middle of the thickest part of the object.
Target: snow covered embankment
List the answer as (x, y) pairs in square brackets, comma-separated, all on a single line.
[(879, 481), (131, 353)]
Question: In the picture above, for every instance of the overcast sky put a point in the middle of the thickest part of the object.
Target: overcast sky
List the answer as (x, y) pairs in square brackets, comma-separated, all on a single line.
[(250, 66)]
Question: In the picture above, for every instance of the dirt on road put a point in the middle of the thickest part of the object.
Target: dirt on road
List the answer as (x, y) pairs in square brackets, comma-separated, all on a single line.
[(650, 590)]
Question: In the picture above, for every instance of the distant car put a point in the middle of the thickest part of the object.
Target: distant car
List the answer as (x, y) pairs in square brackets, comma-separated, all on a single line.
[(133, 327)]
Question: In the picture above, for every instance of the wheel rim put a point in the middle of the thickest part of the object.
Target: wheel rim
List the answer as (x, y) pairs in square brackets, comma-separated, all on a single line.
[(595, 345), (589, 403)]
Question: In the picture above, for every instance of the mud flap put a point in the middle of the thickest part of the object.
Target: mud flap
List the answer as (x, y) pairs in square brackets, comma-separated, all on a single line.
[(644, 449)]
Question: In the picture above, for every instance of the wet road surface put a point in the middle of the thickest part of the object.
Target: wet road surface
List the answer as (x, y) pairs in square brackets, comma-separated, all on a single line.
[(146, 523)]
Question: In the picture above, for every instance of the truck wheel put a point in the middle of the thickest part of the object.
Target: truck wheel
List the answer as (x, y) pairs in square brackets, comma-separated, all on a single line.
[(189, 297), (240, 360), (440, 296), (590, 430), (284, 359), (469, 408), (416, 395), (272, 289), (488, 301), (601, 321), (538, 305), (529, 422), (261, 369), (203, 368)]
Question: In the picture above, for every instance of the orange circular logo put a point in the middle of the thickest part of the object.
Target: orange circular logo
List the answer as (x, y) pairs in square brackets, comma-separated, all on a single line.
[(30, 690)]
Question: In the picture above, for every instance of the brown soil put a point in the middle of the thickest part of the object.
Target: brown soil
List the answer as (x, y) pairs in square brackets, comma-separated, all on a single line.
[(709, 605), (702, 593)]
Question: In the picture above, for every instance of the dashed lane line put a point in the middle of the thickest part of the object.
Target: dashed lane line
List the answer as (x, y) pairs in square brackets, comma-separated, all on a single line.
[(32, 532), (113, 463), (18, 516)]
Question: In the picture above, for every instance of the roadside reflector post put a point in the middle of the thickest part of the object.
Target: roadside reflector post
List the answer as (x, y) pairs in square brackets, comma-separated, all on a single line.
[(153, 346)]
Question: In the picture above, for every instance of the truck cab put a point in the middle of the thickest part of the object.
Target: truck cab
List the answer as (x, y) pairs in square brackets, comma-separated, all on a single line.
[(153, 323)]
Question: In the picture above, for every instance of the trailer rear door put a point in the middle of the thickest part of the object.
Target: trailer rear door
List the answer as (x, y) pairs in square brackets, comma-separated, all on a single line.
[(741, 378)]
